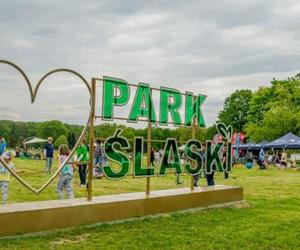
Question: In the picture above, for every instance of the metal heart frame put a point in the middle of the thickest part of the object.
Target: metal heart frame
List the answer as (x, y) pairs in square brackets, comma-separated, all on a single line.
[(33, 94)]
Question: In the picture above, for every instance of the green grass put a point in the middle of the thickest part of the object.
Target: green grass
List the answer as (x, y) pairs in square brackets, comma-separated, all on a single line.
[(270, 221)]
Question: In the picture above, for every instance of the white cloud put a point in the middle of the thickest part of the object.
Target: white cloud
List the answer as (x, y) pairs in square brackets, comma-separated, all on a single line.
[(203, 46)]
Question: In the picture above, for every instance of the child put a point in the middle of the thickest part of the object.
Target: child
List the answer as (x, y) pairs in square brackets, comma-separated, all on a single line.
[(66, 174), (4, 176)]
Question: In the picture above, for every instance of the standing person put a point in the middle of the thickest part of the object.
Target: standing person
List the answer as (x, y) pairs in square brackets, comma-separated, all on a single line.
[(226, 174), (49, 152), (2, 145), (261, 159), (152, 158), (65, 175), (4, 176), (82, 158), (197, 176), (98, 159)]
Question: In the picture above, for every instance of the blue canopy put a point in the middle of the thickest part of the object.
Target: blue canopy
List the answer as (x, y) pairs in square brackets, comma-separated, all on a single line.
[(288, 141), (251, 145), (244, 146)]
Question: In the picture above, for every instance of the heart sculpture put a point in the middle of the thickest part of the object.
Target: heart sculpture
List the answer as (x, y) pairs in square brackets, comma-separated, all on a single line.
[(33, 94)]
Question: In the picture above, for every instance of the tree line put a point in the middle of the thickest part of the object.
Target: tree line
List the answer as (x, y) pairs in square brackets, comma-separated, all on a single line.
[(16, 132), (267, 113)]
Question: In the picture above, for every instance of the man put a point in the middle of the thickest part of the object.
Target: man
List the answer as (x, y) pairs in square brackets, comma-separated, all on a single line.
[(2, 145), (49, 152)]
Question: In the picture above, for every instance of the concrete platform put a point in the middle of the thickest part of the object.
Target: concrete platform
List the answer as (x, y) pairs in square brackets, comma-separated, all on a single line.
[(19, 218)]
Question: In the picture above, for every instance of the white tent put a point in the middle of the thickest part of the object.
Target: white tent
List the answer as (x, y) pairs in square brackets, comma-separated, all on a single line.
[(34, 140)]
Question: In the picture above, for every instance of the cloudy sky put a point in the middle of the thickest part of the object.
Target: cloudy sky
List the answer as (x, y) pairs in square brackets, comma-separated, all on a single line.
[(209, 47)]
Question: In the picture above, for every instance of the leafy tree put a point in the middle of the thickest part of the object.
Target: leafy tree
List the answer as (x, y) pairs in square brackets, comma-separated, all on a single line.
[(72, 139), (52, 128), (62, 139), (236, 109)]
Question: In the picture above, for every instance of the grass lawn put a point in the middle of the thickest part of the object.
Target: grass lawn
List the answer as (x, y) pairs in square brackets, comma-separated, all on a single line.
[(271, 220)]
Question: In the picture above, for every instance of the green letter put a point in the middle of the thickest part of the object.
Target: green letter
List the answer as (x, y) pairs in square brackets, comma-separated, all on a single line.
[(142, 104), (213, 161), (110, 97), (116, 156), (138, 159), (194, 156), (166, 106), (228, 156), (193, 108), (171, 157)]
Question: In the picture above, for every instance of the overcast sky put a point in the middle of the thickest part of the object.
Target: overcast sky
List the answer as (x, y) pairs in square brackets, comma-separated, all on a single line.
[(209, 47)]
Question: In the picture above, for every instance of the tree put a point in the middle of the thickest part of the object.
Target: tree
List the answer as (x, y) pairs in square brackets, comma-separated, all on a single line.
[(52, 128), (62, 139), (72, 139), (277, 121), (236, 109)]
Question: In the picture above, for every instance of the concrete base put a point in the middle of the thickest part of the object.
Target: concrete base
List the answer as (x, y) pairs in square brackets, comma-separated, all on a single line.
[(45, 215)]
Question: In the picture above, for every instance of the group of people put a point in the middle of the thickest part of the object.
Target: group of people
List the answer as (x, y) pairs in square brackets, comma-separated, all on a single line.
[(65, 179), (264, 159), (79, 162)]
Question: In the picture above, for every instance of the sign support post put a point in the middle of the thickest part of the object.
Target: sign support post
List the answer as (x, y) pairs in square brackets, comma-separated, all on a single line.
[(91, 153), (193, 137), (148, 153)]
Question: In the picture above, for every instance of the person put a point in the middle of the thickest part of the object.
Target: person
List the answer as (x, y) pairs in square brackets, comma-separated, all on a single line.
[(65, 175), (17, 152), (2, 145), (210, 178), (98, 159), (152, 158), (4, 176), (197, 176), (284, 159), (261, 159), (156, 157), (82, 158), (49, 152), (277, 160), (226, 174)]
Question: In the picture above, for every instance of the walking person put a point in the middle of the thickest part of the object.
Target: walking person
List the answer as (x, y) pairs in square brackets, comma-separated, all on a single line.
[(98, 159), (49, 153), (66, 174), (82, 158)]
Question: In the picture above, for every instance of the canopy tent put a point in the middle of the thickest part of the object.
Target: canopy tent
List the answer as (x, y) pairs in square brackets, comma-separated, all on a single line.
[(34, 140), (288, 141), (258, 145), (251, 145), (243, 146)]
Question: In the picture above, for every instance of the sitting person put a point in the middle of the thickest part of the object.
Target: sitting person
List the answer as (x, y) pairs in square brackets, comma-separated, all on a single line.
[(283, 160)]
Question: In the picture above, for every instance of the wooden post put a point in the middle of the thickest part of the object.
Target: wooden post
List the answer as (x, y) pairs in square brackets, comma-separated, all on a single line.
[(148, 154), (91, 153), (193, 137)]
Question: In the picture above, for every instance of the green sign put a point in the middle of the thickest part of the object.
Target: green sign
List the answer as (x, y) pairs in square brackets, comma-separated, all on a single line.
[(116, 92)]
